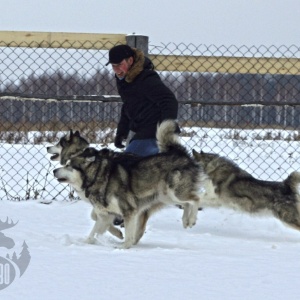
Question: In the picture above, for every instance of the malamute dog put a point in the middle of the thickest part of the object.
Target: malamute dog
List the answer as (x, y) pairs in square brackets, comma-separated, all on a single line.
[(229, 185), (69, 146), (169, 177)]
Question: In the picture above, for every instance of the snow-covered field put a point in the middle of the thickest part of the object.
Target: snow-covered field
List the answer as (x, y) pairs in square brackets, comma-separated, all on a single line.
[(227, 255)]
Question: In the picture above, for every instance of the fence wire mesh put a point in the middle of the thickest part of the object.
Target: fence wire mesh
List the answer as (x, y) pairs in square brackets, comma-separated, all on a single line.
[(249, 112)]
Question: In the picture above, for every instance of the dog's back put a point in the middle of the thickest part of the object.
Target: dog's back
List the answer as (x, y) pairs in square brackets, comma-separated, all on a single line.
[(220, 170)]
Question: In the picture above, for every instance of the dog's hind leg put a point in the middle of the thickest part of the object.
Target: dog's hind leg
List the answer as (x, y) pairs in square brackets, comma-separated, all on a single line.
[(295, 224), (115, 231), (289, 214), (141, 225), (130, 223), (143, 219)]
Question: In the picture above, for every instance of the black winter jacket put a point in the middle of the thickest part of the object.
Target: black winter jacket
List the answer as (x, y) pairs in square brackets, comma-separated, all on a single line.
[(146, 100)]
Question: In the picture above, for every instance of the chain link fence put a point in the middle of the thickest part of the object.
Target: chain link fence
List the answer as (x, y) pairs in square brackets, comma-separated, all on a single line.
[(241, 102)]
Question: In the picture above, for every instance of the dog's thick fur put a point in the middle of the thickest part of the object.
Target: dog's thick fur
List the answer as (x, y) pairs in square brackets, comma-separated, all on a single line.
[(229, 185), (68, 146), (71, 145), (169, 177)]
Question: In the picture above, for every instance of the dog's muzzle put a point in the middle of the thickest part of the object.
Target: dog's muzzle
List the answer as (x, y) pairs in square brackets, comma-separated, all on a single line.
[(57, 175)]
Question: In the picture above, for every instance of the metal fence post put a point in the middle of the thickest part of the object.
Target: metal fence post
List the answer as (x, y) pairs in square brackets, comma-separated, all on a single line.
[(138, 41)]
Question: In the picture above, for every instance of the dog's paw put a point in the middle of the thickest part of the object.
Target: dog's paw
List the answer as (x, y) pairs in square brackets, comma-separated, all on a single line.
[(184, 223), (127, 244), (190, 222), (90, 240), (124, 246)]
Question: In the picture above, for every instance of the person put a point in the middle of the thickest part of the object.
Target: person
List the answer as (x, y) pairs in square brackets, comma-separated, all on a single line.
[(146, 100)]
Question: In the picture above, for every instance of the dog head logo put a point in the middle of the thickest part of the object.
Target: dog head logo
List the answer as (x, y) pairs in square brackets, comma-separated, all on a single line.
[(11, 264)]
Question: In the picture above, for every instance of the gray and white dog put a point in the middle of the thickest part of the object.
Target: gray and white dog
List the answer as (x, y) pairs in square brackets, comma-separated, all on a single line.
[(229, 185), (169, 177), (69, 146)]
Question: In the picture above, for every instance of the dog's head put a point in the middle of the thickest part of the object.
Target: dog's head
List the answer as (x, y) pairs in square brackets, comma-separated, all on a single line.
[(88, 171), (68, 146), (76, 170), (204, 158), (56, 151), (67, 174)]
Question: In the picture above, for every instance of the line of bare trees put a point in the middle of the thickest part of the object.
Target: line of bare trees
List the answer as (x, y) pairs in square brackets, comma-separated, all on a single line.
[(187, 86)]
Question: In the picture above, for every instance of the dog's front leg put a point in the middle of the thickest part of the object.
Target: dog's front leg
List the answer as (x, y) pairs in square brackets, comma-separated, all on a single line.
[(193, 214), (91, 238), (102, 224), (115, 231), (111, 228), (186, 214), (190, 212)]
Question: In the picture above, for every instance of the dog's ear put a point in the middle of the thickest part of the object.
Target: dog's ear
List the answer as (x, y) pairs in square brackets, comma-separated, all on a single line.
[(77, 133), (69, 135)]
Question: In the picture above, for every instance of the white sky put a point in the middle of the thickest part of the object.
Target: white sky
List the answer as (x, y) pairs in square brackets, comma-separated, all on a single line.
[(218, 22)]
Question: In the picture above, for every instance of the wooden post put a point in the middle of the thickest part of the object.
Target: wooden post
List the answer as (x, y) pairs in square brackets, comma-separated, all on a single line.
[(138, 41)]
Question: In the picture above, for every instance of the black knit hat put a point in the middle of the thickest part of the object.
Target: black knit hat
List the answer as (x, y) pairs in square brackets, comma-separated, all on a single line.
[(118, 53)]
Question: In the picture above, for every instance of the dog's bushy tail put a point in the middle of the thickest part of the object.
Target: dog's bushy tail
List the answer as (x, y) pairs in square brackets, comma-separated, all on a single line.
[(293, 181), (167, 138)]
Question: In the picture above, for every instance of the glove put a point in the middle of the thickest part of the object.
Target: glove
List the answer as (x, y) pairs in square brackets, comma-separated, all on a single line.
[(118, 141)]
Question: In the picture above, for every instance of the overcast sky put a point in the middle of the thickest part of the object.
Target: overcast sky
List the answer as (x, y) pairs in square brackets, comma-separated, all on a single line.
[(218, 22)]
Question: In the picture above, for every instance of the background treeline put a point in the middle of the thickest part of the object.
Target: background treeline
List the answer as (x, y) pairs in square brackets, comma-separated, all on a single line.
[(208, 87)]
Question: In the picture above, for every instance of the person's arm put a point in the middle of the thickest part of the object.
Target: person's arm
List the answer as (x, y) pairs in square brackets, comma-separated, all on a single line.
[(122, 129)]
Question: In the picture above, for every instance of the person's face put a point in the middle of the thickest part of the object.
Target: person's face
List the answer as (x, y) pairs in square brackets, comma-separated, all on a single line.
[(123, 67)]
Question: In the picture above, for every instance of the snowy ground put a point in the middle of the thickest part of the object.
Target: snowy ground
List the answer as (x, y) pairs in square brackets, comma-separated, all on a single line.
[(227, 255)]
